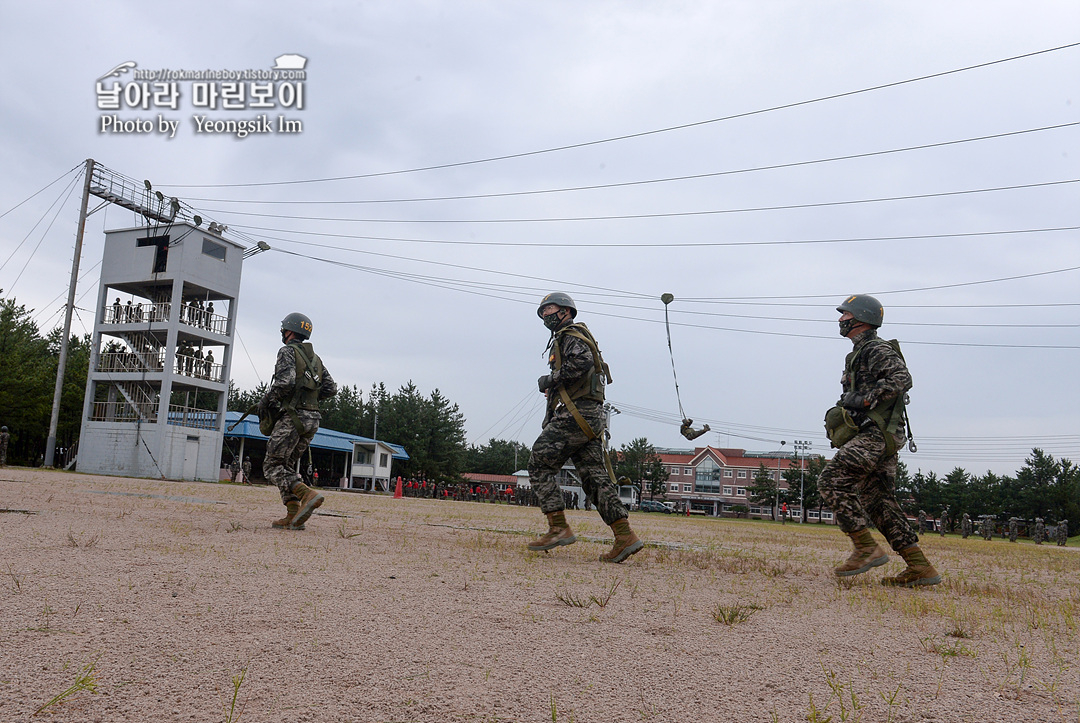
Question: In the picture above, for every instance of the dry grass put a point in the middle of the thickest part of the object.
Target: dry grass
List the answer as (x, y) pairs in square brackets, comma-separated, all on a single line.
[(393, 587)]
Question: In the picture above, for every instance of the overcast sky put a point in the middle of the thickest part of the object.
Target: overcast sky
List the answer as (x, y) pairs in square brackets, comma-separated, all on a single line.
[(758, 245)]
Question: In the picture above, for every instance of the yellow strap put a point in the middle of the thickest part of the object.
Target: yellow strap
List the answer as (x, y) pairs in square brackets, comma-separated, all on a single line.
[(566, 400)]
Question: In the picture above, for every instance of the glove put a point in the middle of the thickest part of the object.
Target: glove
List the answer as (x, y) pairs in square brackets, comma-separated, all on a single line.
[(854, 401), (544, 382)]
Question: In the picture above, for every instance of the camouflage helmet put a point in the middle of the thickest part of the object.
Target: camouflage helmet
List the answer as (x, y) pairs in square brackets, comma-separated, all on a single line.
[(864, 308), (3, 429), (558, 298), (298, 324)]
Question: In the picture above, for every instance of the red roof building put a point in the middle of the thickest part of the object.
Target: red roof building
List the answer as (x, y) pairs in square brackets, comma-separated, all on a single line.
[(714, 480)]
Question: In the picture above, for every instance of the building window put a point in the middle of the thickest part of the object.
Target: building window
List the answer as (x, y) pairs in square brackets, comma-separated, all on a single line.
[(812, 515), (674, 470), (755, 510), (741, 492), (673, 488), (213, 249), (826, 515), (742, 474), (727, 473), (688, 488), (688, 470), (383, 461), (727, 490)]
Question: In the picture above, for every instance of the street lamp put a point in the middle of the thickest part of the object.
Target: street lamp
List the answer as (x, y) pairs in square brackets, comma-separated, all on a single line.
[(776, 506), (801, 446)]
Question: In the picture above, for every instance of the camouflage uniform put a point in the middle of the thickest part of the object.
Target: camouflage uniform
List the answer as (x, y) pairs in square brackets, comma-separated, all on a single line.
[(564, 439), (247, 470), (965, 526), (859, 482), (1040, 530), (5, 437), (234, 469), (287, 443), (1014, 529), (1063, 533)]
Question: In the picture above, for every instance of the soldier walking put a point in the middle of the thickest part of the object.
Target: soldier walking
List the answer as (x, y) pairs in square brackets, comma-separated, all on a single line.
[(5, 437), (234, 469), (246, 466), (292, 402), (859, 483), (1040, 530), (965, 526), (1014, 529), (1063, 533), (574, 428)]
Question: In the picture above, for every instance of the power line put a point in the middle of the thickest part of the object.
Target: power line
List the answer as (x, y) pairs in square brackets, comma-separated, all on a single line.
[(498, 291), (40, 190), (625, 184), (647, 245), (672, 214), (641, 134), (70, 190)]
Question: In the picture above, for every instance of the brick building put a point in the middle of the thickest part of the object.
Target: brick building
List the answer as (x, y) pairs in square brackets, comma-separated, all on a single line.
[(714, 480)]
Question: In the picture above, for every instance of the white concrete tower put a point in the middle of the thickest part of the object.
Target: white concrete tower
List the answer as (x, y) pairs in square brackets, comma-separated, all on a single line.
[(162, 348)]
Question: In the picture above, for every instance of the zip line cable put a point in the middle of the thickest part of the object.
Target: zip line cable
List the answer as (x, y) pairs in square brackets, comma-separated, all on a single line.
[(640, 295), (40, 190), (672, 244), (66, 190), (625, 184), (640, 134), (71, 189), (442, 283), (671, 214)]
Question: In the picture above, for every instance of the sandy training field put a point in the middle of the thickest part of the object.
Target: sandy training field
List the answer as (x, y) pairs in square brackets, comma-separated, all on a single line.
[(140, 600)]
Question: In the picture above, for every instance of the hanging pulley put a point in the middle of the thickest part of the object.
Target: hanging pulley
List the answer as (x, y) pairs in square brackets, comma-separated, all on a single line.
[(687, 428)]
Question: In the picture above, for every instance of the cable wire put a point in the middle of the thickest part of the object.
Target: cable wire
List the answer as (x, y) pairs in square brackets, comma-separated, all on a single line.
[(641, 134), (671, 214)]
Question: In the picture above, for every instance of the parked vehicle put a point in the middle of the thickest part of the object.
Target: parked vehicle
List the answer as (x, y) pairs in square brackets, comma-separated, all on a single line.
[(654, 506)]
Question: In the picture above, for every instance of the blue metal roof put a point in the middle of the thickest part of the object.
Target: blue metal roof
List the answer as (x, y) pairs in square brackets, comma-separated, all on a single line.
[(324, 438)]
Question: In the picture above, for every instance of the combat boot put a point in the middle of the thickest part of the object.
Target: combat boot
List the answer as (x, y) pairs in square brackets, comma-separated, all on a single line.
[(291, 509), (309, 500), (919, 571), (559, 533), (626, 542), (867, 554)]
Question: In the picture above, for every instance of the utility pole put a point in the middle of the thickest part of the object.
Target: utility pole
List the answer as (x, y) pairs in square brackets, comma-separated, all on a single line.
[(804, 447), (61, 365), (776, 507)]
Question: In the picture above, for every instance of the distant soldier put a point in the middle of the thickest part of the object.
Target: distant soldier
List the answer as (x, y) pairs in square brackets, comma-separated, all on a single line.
[(922, 521), (1040, 530), (965, 525), (943, 523), (234, 469), (1013, 529), (988, 527), (5, 437), (300, 381), (1063, 533), (117, 310), (247, 470)]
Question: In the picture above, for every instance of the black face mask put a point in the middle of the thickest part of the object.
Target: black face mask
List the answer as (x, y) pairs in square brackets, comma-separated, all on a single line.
[(552, 321), (847, 325), (283, 339)]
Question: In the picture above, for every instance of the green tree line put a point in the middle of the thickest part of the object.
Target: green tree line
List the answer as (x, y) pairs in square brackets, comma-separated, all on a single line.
[(1043, 487), (430, 427), (28, 362)]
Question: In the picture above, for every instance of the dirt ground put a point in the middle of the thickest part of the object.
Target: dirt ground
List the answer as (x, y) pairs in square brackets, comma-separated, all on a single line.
[(142, 600)]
